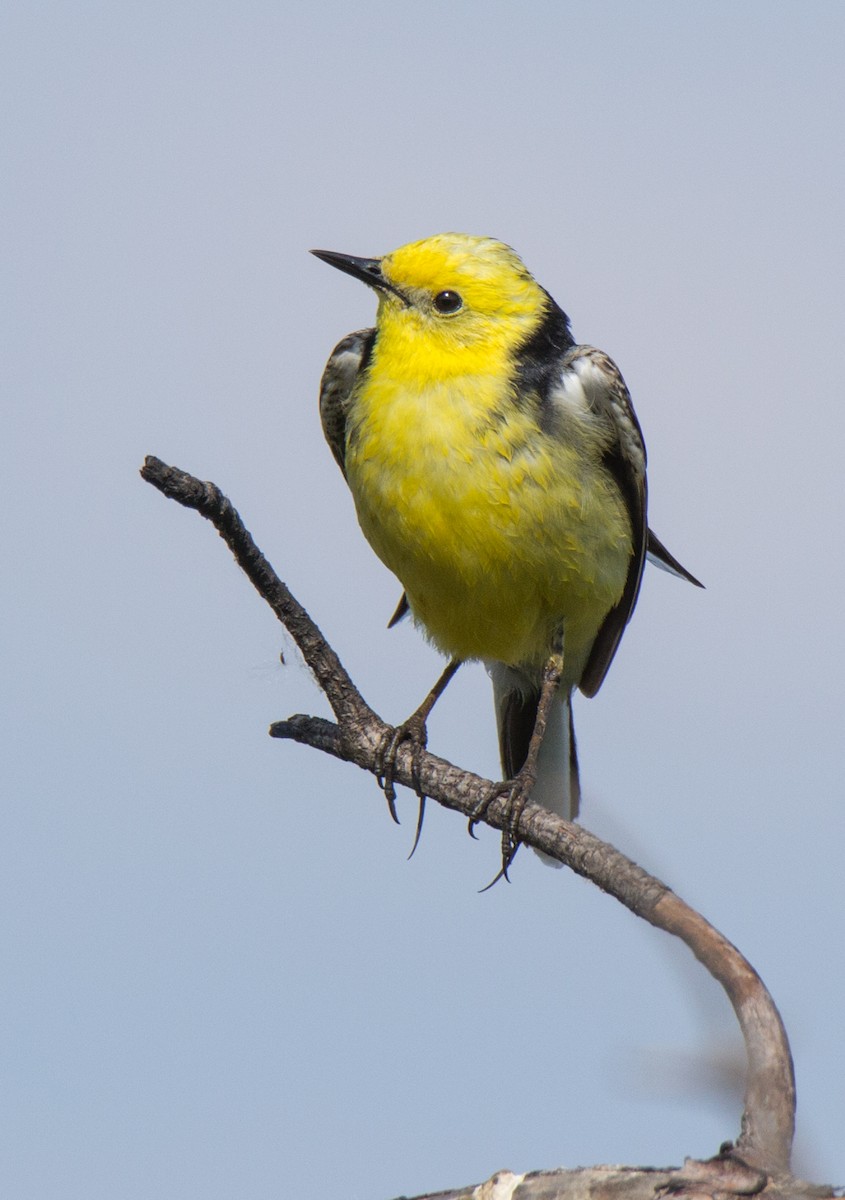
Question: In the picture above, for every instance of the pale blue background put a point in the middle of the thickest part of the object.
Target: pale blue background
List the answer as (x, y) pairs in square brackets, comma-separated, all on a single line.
[(221, 978)]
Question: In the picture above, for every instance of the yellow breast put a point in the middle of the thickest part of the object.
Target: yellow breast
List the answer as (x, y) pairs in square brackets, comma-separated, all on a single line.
[(498, 531)]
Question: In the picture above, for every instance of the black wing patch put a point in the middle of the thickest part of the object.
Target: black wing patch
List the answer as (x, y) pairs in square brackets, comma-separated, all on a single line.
[(660, 556), (348, 359), (402, 610)]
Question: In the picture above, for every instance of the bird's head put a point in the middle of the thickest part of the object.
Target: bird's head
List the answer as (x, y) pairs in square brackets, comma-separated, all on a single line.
[(452, 296)]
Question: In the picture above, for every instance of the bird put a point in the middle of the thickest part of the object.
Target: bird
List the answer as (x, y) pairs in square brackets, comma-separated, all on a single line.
[(498, 470)]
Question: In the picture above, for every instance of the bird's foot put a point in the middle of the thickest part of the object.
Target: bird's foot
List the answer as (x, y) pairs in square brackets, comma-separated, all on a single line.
[(516, 793), (413, 730)]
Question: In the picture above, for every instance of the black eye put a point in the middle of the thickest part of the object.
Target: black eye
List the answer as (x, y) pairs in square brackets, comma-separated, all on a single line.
[(448, 302)]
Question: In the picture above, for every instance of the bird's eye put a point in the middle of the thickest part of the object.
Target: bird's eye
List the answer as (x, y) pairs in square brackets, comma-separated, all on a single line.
[(448, 303)]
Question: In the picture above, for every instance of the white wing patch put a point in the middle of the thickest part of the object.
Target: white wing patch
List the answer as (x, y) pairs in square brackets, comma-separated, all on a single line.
[(592, 387), (570, 394)]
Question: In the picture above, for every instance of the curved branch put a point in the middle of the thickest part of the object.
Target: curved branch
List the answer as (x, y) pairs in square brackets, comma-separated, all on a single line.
[(768, 1119)]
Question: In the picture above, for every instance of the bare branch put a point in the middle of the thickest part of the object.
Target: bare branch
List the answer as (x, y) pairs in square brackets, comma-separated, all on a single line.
[(345, 699), (634, 1183), (765, 1138)]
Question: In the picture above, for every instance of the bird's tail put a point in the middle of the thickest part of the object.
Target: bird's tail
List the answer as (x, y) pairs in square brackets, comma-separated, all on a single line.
[(516, 697)]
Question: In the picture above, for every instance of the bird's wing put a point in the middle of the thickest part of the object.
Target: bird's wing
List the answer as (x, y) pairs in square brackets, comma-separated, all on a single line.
[(660, 557), (346, 362), (402, 610), (590, 377)]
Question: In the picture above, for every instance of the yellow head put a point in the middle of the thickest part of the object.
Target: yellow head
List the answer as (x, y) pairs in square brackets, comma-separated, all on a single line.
[(452, 298)]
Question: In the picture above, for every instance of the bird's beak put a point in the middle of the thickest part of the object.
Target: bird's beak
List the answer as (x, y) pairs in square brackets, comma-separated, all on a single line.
[(368, 270)]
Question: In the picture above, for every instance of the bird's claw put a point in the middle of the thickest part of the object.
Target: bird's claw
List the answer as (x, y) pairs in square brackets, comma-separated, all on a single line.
[(516, 793), (414, 731)]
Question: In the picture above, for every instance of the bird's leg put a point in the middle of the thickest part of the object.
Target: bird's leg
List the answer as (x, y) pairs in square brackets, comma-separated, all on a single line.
[(413, 730), (518, 790)]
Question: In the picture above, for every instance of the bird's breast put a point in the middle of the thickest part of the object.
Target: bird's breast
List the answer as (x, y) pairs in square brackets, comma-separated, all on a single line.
[(497, 530)]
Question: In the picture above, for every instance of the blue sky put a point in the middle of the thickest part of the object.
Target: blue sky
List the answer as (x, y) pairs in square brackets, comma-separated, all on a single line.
[(221, 976)]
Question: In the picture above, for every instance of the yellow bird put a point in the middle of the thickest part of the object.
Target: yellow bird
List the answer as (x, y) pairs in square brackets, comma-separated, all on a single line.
[(498, 470)]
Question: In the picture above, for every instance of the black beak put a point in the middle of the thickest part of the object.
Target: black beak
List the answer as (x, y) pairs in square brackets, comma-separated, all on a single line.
[(368, 270)]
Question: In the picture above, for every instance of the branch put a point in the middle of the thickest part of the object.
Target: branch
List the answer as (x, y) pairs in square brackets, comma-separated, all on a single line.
[(636, 1183), (765, 1139), (345, 699)]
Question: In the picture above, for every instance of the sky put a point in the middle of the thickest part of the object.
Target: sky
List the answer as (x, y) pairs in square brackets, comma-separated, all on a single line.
[(221, 977)]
